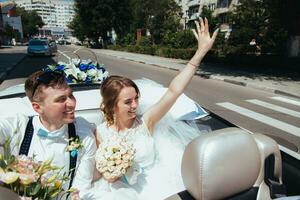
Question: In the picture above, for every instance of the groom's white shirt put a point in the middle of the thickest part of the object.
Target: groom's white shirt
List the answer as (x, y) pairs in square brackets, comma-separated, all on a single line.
[(48, 148)]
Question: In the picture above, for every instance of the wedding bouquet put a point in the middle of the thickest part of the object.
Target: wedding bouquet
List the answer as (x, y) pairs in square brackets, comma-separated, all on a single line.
[(114, 157), (31, 179), (81, 71)]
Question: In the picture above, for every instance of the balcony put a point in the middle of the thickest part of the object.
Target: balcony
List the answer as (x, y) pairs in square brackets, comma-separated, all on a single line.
[(193, 3), (194, 16)]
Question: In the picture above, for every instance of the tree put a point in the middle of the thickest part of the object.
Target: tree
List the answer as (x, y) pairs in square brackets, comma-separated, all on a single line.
[(76, 26), (30, 21), (9, 31), (96, 19), (165, 18), (260, 22)]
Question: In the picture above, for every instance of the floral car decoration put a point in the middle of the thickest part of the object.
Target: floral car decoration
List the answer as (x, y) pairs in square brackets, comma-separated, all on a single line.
[(81, 71)]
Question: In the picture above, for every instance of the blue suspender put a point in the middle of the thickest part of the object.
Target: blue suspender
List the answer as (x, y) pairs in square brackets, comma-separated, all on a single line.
[(25, 145)]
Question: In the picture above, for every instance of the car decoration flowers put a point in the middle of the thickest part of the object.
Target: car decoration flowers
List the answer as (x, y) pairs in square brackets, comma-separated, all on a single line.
[(114, 157), (81, 71), (31, 179), (74, 146)]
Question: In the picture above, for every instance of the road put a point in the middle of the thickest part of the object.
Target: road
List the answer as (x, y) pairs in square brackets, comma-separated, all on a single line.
[(255, 110)]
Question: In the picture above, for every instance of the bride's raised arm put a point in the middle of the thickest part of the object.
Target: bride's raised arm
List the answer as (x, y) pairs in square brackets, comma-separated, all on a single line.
[(179, 83)]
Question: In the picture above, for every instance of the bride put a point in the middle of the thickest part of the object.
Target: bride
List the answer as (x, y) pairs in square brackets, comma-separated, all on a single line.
[(155, 173)]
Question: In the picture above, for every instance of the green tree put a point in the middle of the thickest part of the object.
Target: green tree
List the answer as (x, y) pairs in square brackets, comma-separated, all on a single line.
[(78, 29), (9, 31), (30, 21), (165, 18), (259, 21), (96, 19), (213, 21)]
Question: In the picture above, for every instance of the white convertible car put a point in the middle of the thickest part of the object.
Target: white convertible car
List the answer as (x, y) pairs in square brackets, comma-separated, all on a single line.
[(226, 163)]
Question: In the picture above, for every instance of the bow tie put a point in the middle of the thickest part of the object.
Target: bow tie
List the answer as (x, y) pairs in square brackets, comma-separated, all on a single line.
[(46, 134)]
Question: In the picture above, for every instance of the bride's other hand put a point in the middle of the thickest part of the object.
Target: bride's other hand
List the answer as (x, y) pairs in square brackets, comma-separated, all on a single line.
[(205, 41), (111, 180)]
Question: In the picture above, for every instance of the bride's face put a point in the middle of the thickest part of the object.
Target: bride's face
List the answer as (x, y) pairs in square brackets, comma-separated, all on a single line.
[(127, 104)]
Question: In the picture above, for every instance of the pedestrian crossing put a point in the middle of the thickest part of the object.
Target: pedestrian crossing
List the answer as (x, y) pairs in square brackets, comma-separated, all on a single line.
[(244, 110)]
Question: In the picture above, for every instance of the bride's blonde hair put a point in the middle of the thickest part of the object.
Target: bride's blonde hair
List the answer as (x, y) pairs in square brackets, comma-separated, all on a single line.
[(110, 90)]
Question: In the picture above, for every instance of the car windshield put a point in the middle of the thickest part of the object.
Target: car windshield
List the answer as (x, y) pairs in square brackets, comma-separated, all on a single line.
[(37, 43)]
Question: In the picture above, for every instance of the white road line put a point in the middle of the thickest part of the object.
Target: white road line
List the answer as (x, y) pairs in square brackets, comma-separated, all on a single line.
[(297, 103), (262, 118), (62, 53), (275, 107), (77, 50)]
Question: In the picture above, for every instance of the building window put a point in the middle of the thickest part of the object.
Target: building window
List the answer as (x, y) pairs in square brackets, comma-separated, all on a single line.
[(223, 3)]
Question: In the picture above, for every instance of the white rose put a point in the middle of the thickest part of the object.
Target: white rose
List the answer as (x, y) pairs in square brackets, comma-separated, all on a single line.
[(107, 175), (92, 72), (119, 161), (81, 76), (110, 163), (111, 168)]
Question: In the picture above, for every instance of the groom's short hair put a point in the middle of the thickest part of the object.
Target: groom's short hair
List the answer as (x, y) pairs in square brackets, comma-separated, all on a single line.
[(43, 79)]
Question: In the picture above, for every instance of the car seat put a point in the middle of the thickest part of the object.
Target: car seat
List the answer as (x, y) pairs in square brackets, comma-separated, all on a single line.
[(223, 164)]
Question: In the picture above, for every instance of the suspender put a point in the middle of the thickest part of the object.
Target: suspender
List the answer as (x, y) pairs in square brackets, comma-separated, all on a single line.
[(73, 159), (24, 149)]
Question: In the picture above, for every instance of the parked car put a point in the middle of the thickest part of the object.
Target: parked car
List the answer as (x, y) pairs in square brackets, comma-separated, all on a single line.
[(41, 47)]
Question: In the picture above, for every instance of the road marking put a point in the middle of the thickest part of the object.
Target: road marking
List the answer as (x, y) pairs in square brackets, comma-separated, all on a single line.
[(297, 103), (262, 118), (275, 107), (65, 55), (77, 49)]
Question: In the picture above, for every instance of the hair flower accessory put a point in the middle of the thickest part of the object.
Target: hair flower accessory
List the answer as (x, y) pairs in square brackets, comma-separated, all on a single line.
[(81, 71), (74, 146)]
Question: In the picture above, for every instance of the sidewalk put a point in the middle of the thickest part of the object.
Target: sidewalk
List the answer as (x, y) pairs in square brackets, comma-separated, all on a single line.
[(9, 58), (282, 83)]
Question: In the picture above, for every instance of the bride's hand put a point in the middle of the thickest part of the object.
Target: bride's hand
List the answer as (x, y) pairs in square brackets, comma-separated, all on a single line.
[(202, 35), (111, 180)]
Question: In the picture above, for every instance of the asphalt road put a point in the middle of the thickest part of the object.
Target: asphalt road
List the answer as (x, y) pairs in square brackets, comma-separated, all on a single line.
[(255, 110)]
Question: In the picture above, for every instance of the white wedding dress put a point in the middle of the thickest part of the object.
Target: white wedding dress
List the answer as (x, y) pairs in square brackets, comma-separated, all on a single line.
[(158, 156)]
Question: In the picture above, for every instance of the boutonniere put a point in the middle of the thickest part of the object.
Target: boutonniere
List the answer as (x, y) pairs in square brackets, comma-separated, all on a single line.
[(74, 146)]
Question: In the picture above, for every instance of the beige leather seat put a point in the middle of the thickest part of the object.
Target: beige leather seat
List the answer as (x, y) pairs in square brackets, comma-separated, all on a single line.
[(219, 165), (6, 194), (271, 168)]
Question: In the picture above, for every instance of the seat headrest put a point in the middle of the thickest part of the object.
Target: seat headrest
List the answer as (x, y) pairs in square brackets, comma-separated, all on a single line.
[(267, 147), (220, 164)]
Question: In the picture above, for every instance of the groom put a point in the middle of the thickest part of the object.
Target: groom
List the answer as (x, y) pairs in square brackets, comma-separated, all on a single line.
[(47, 135)]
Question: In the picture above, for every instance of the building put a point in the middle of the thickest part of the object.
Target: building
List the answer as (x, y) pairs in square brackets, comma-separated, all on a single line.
[(56, 14), (191, 10), (9, 16)]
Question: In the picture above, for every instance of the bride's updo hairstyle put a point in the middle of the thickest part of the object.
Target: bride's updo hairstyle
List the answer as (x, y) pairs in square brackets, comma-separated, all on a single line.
[(110, 90)]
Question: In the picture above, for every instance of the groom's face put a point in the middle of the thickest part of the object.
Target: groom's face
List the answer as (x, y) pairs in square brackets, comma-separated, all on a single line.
[(58, 105)]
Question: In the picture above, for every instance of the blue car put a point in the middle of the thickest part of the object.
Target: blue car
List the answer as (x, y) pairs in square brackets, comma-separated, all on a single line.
[(41, 47)]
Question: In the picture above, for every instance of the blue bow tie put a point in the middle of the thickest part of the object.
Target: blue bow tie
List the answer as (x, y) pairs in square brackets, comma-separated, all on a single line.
[(46, 134)]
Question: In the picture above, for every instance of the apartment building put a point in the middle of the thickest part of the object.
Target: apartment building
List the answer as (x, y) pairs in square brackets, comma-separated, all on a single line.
[(54, 13), (191, 10)]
